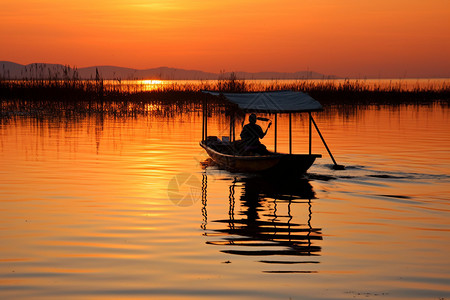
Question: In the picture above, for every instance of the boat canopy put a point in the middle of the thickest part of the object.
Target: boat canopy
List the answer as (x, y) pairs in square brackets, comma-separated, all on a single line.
[(272, 102)]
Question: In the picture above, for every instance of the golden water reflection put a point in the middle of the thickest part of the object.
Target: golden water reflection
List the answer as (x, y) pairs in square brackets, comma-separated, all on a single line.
[(86, 209)]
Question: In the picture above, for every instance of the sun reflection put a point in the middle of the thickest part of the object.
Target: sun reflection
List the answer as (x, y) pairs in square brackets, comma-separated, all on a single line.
[(151, 85), (150, 82), (137, 85)]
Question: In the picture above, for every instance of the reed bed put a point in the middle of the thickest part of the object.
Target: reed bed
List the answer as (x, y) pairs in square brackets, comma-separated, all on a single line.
[(72, 96), (329, 90)]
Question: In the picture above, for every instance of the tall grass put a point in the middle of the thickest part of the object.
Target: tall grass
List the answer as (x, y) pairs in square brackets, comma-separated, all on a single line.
[(66, 94)]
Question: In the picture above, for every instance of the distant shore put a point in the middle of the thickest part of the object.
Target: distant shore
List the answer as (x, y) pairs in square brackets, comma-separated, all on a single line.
[(15, 71)]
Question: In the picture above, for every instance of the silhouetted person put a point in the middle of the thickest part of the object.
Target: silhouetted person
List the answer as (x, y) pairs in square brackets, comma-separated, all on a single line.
[(250, 135)]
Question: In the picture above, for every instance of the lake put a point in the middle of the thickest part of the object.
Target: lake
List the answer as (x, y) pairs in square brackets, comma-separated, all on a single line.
[(106, 207)]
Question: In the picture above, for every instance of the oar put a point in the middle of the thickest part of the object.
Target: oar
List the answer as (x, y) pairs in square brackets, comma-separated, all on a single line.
[(262, 119), (335, 166)]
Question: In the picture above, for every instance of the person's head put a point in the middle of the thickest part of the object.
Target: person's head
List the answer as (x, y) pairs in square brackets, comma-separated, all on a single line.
[(252, 118)]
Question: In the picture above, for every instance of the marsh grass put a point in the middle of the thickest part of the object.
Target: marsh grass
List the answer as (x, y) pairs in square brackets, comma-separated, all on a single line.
[(67, 95)]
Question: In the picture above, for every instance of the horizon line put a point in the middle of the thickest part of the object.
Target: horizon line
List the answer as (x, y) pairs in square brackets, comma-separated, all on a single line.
[(308, 71)]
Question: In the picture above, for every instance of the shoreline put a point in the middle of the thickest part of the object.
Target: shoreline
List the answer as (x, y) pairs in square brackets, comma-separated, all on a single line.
[(327, 92)]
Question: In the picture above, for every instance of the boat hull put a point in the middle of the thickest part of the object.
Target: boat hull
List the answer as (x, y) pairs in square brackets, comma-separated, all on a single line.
[(274, 163)]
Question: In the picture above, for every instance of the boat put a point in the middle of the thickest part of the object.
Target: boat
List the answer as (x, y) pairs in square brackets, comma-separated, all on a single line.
[(226, 153), (270, 163)]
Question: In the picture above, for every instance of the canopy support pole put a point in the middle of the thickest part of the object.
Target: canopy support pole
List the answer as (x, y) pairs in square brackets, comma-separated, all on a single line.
[(203, 120), (234, 128), (310, 133), (231, 128), (275, 142), (290, 133), (336, 166)]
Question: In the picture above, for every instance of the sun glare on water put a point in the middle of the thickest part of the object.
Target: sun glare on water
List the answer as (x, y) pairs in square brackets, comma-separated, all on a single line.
[(151, 85), (150, 82), (141, 85)]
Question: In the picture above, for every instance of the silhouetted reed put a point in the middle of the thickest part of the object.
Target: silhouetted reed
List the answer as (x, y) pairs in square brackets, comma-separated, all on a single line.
[(66, 94)]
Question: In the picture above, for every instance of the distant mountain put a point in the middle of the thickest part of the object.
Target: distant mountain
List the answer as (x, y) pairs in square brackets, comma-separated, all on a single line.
[(281, 75), (10, 70), (161, 73)]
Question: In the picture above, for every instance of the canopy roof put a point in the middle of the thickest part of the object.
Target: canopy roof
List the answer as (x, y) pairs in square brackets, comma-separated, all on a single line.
[(272, 102)]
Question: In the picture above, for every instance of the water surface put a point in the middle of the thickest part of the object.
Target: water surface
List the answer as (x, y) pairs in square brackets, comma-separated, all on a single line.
[(102, 207)]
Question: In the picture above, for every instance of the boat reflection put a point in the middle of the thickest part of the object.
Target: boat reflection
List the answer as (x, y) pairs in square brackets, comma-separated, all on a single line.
[(264, 225)]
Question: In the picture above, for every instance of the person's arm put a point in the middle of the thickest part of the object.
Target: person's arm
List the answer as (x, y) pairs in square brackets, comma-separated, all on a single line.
[(265, 132)]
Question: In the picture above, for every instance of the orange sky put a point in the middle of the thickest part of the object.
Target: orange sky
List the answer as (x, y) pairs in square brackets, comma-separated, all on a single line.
[(353, 38)]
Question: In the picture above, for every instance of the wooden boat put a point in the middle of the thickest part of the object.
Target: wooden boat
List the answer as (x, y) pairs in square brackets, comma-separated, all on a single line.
[(272, 163), (223, 152)]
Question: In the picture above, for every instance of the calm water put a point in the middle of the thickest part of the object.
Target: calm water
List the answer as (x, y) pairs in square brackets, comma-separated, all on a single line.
[(103, 208)]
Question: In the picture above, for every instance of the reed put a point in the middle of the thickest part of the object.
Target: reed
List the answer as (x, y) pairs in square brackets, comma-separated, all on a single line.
[(67, 93)]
